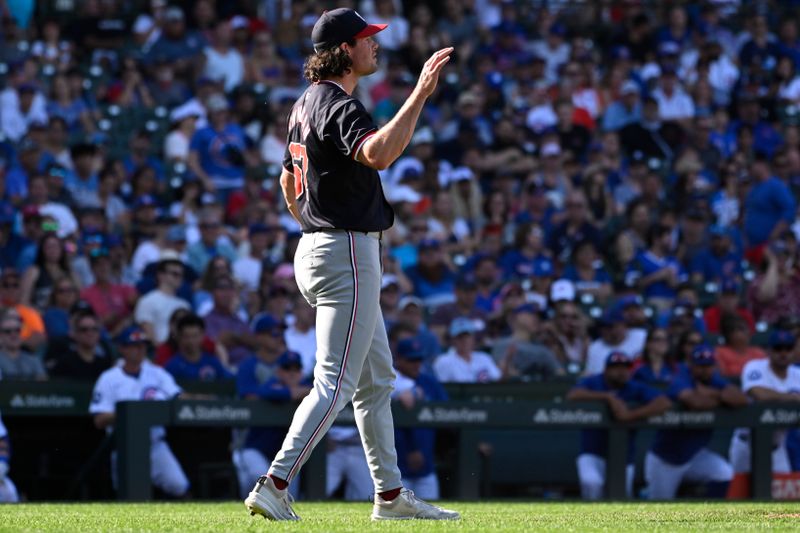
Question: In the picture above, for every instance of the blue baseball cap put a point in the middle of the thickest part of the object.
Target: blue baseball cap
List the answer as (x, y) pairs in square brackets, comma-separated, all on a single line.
[(410, 348), (618, 358), (267, 323), (703, 355), (290, 358), (729, 286), (611, 317), (461, 325), (781, 337), (131, 335), (630, 300)]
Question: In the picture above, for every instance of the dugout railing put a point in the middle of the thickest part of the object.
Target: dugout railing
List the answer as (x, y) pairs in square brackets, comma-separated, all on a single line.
[(468, 419)]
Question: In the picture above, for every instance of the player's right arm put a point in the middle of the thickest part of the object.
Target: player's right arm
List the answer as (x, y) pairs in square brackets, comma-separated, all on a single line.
[(388, 143), (763, 394), (289, 194)]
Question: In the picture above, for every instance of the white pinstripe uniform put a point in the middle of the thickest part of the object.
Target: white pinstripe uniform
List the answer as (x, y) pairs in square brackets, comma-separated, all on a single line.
[(8, 491)]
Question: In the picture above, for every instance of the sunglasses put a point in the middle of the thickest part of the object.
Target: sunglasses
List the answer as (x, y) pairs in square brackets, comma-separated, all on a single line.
[(783, 347), (88, 329)]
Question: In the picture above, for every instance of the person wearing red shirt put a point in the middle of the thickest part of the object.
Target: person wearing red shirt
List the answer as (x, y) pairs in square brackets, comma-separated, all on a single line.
[(727, 303)]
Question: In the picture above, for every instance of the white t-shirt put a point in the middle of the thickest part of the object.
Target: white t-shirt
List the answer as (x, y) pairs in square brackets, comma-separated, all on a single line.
[(156, 307), (228, 67), (598, 351), (675, 107), (758, 373), (247, 270), (114, 385), (176, 146), (305, 344), (451, 367)]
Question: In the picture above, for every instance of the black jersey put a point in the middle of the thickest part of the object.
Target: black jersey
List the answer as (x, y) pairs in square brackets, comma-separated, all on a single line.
[(327, 127)]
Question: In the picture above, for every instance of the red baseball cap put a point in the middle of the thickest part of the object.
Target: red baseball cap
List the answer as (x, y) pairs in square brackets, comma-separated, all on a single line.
[(341, 25)]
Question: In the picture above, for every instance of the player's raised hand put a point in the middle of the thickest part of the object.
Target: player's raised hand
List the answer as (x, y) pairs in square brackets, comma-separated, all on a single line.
[(429, 76)]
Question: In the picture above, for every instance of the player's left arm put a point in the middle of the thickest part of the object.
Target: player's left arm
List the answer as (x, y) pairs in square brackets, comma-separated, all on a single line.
[(655, 407), (733, 396), (287, 186), (763, 394)]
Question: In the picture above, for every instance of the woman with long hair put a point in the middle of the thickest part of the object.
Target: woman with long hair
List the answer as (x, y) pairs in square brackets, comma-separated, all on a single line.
[(62, 299), (737, 349), (657, 364), (51, 263)]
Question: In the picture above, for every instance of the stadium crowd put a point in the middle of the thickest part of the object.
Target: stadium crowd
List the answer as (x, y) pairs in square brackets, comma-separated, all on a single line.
[(590, 180)]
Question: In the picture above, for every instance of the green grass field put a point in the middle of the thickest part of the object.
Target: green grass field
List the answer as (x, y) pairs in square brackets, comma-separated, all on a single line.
[(341, 517)]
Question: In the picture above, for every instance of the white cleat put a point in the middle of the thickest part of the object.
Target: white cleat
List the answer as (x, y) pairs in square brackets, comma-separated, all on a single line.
[(408, 507), (273, 504)]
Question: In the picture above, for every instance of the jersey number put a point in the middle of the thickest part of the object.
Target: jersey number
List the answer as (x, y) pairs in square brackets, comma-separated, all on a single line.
[(300, 167)]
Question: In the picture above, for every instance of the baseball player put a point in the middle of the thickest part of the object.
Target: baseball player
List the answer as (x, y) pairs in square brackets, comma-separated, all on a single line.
[(681, 454), (765, 380), (136, 378), (8, 491), (332, 188), (615, 387)]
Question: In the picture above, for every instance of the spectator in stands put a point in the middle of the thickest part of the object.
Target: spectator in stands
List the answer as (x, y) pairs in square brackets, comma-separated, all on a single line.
[(682, 454), (737, 350), (769, 380), (462, 363), (625, 110), (282, 382), (51, 263), (657, 364), (154, 309), (769, 209), (412, 314), (12, 244), (775, 293), (432, 277), (112, 302), (301, 335), (628, 400), (464, 306), (728, 302), (22, 105), (247, 268), (521, 354), (615, 336), (415, 446), (191, 362), (587, 272), (16, 363), (137, 379), (719, 261), (81, 353), (654, 271), (390, 300), (566, 336), (528, 255), (224, 325), (220, 151), (212, 242), (56, 317), (167, 350), (8, 491), (576, 228), (222, 61), (33, 332)]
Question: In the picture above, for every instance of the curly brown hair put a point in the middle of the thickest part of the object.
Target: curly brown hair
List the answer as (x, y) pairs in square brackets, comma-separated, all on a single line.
[(325, 64)]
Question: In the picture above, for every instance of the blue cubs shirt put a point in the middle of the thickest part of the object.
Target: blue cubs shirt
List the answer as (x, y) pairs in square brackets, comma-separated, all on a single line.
[(218, 152), (207, 368), (668, 372), (517, 265), (646, 263), (677, 446), (595, 441)]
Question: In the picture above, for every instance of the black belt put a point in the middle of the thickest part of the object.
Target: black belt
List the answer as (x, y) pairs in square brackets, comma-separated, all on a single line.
[(377, 234)]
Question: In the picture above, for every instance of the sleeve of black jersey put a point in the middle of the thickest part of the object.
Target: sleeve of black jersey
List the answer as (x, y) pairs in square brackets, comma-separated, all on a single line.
[(347, 126), (288, 164)]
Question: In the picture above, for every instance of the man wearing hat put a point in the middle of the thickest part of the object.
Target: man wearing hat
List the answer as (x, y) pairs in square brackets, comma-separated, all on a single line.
[(615, 335), (769, 380), (520, 353), (277, 380), (682, 454), (432, 278), (627, 400), (333, 141), (627, 109), (415, 446), (462, 363), (718, 261), (136, 378), (466, 291)]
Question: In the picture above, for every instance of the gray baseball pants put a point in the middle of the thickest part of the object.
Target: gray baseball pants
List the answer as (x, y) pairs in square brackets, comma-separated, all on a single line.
[(339, 273)]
